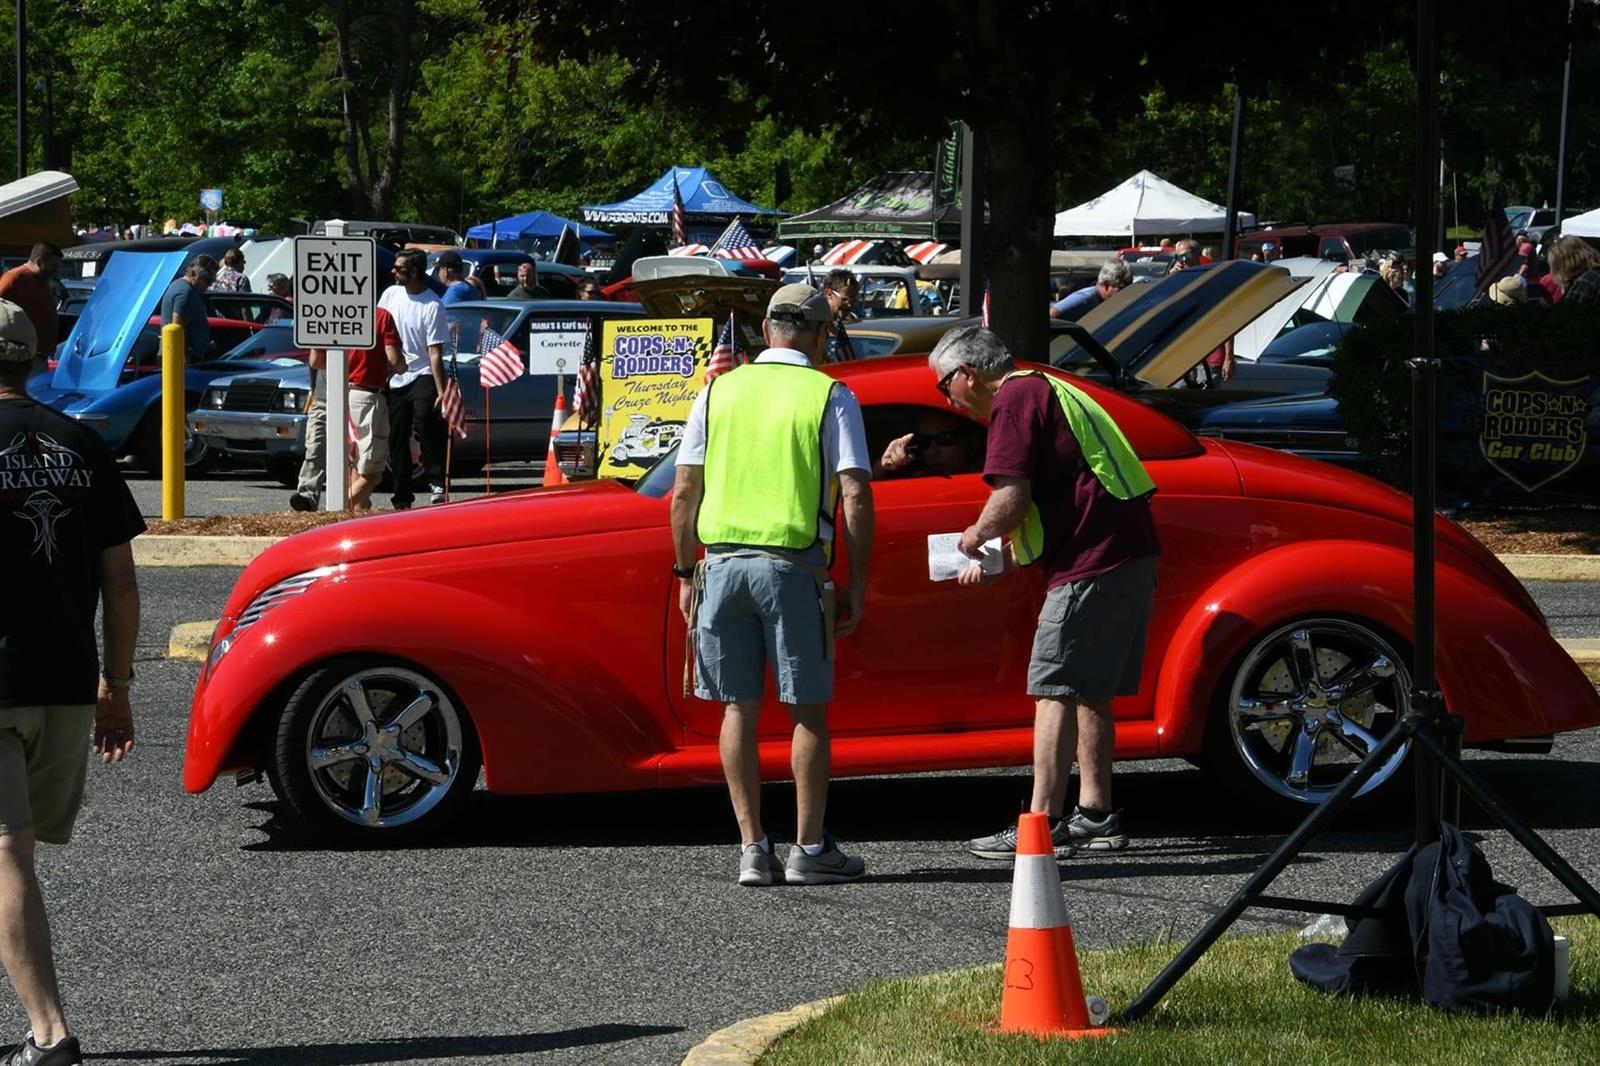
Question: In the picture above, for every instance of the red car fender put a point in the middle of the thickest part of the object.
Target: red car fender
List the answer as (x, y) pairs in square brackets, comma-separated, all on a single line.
[(549, 716), (1498, 667)]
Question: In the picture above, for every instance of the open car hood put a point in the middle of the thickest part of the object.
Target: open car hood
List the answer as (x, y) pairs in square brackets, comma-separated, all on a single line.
[(713, 297), (120, 304), (1158, 332)]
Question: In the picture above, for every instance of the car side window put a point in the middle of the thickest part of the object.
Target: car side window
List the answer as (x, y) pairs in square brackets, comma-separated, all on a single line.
[(944, 442), (1333, 248)]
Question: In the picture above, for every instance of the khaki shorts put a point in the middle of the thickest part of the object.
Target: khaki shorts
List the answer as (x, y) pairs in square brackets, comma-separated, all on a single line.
[(369, 412), (43, 759)]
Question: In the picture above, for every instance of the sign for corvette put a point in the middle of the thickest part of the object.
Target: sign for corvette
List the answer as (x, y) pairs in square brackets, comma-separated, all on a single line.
[(650, 372)]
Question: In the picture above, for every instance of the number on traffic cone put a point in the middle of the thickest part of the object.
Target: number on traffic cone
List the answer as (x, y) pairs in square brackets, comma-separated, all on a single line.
[(552, 466), (1043, 992)]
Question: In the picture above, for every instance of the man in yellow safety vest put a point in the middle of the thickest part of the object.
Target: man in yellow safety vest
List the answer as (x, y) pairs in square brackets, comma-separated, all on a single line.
[(1069, 492), (766, 451)]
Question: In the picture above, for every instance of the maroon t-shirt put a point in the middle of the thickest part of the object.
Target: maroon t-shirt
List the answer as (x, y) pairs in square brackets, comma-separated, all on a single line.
[(1087, 531), (369, 367)]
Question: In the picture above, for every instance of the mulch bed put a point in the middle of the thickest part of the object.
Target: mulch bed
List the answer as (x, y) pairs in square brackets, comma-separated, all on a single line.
[(1575, 532)]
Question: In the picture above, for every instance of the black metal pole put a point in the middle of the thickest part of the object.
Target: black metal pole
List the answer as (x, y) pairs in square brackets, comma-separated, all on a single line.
[(1561, 150), (22, 88), (1231, 226), (973, 275)]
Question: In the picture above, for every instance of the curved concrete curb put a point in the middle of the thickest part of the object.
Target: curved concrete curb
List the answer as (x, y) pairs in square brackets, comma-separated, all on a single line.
[(1553, 567), (191, 640), (198, 551), (742, 1043), (1585, 651)]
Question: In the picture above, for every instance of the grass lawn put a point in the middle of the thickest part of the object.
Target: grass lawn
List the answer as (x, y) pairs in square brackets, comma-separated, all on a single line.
[(1239, 1005)]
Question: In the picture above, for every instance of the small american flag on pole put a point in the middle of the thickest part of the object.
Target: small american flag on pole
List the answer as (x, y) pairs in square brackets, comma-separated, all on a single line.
[(678, 226), (586, 393), (455, 416), (736, 243), (725, 356), (501, 363), (1499, 248)]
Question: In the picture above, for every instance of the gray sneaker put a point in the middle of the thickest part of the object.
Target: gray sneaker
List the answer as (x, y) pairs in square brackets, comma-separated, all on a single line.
[(1089, 835), (829, 867), (1003, 845), (757, 868)]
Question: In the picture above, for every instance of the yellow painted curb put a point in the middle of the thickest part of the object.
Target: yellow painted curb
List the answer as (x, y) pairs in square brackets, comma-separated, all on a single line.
[(1585, 651), (191, 640), (1553, 567), (742, 1043), (198, 551)]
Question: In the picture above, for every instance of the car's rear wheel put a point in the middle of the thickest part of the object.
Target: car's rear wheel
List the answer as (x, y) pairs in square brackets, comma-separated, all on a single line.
[(1302, 706), (198, 457), (373, 748)]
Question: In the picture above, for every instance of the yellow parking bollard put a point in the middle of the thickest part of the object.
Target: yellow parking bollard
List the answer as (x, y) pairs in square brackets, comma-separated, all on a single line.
[(172, 417)]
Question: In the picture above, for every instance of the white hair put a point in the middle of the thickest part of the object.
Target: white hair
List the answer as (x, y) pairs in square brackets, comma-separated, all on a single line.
[(971, 346)]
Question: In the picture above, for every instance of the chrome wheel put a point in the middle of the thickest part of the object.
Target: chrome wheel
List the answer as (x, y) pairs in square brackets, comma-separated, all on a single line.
[(384, 747), (1310, 700)]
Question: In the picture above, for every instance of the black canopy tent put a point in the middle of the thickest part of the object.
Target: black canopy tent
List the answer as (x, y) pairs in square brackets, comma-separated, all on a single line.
[(895, 205)]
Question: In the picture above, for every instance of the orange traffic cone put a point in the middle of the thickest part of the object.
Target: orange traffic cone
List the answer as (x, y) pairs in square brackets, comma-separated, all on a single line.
[(1043, 992), (552, 466)]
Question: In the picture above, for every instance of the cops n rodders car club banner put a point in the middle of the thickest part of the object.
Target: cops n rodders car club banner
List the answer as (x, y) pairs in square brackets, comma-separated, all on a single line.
[(1509, 434), (650, 372)]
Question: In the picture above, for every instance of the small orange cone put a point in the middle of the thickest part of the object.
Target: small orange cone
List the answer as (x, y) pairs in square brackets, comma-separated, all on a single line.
[(1043, 992), (552, 466)]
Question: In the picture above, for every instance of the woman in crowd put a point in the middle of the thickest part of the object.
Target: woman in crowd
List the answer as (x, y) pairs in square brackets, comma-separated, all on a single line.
[(1576, 268)]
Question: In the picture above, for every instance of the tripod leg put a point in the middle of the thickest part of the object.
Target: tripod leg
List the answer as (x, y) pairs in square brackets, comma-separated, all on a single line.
[(1320, 816), (1479, 790)]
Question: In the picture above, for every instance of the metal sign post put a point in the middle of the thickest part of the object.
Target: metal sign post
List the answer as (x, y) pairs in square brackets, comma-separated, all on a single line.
[(335, 297)]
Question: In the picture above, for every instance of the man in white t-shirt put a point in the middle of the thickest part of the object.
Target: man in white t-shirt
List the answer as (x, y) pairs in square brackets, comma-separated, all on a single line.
[(414, 392)]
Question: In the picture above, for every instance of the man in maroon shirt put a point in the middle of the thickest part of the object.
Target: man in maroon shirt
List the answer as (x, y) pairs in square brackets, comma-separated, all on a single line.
[(1098, 552), (28, 286), (368, 375)]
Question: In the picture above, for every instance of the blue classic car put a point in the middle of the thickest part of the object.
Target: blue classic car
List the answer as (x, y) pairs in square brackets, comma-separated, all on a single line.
[(261, 414), (107, 371)]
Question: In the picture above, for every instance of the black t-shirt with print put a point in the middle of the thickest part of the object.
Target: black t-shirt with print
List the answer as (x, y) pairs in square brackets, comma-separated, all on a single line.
[(62, 502)]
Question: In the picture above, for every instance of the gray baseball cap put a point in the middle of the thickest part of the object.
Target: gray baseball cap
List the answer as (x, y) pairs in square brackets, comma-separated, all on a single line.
[(18, 339), (799, 301)]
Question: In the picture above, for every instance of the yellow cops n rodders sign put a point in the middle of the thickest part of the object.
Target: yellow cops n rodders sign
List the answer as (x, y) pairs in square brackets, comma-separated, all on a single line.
[(650, 372)]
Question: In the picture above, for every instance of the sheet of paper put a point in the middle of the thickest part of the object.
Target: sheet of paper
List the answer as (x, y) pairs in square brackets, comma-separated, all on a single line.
[(945, 561)]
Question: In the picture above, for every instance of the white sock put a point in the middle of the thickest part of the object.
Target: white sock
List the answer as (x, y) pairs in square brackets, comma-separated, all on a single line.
[(765, 844), (811, 849)]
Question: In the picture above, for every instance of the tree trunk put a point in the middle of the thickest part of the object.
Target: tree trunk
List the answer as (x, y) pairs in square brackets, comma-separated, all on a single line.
[(399, 98), (360, 205)]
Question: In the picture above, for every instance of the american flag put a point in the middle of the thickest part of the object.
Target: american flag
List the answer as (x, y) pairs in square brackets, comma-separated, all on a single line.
[(725, 356), (586, 393), (455, 416), (736, 243), (1494, 258), (678, 227), (501, 362)]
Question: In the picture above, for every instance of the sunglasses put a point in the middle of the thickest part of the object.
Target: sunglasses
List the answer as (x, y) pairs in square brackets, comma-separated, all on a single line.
[(944, 382), (944, 438)]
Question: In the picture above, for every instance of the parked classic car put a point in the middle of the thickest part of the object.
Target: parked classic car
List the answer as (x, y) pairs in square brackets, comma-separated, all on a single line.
[(1342, 242), (261, 414), (371, 668)]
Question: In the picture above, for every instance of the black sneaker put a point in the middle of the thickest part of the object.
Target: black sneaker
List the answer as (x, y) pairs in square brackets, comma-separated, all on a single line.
[(1087, 834), (27, 1053), (301, 502)]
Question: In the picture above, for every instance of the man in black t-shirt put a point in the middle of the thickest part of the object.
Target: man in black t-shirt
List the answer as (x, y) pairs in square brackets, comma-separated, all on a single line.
[(66, 523)]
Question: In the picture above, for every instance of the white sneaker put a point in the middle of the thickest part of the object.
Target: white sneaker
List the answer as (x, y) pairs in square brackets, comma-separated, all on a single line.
[(437, 494)]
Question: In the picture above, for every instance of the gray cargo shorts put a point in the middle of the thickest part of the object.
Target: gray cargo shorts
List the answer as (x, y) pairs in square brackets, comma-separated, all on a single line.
[(755, 610), (1091, 635)]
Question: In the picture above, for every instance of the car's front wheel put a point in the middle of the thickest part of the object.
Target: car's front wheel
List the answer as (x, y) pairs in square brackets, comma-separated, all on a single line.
[(198, 456), (1302, 706), (373, 748)]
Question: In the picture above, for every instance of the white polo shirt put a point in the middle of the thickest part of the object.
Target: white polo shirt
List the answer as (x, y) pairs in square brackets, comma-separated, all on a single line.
[(419, 318), (844, 436)]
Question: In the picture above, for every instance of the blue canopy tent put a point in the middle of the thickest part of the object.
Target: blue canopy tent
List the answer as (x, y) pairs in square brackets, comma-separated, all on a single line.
[(707, 204), (532, 226)]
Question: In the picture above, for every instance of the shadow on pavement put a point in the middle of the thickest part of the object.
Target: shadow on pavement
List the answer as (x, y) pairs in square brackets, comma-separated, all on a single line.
[(407, 1050), (1549, 793)]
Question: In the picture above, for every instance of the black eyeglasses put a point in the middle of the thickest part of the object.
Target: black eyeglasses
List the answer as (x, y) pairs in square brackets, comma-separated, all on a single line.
[(944, 382), (944, 438)]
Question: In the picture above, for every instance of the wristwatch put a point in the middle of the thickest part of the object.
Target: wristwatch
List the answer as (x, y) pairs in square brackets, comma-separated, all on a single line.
[(117, 682), (684, 572)]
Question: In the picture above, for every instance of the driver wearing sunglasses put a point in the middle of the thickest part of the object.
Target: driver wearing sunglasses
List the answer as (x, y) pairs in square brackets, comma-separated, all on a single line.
[(943, 444)]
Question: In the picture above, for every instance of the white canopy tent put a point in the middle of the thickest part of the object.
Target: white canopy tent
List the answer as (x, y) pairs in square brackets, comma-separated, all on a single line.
[(1145, 205), (1584, 225)]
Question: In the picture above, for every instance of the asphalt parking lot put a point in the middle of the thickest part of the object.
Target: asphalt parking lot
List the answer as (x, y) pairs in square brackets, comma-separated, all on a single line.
[(202, 930)]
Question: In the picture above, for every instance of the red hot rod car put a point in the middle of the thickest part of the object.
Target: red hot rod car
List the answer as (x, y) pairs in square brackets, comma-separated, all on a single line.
[(370, 667)]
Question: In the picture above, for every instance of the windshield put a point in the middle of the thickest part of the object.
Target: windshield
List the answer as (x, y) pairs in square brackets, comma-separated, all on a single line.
[(657, 481), (468, 323), (1386, 239), (274, 345)]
